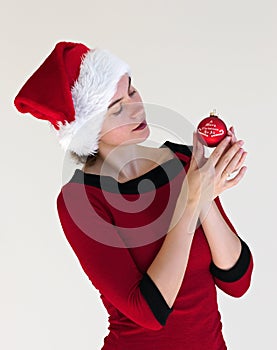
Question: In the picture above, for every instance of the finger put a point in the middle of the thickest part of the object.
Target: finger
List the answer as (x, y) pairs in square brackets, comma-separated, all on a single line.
[(237, 178), (231, 132), (234, 139), (231, 167), (227, 157), (241, 161), (199, 151), (194, 146), (220, 148)]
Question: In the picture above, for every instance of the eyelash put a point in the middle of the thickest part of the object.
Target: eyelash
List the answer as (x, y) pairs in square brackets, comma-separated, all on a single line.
[(131, 94)]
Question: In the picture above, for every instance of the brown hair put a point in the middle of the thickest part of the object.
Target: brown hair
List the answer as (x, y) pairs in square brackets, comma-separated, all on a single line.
[(85, 160)]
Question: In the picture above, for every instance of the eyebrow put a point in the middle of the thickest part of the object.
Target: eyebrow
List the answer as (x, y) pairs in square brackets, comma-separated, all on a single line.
[(116, 101)]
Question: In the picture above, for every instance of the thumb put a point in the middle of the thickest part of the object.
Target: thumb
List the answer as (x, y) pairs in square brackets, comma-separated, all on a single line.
[(194, 156)]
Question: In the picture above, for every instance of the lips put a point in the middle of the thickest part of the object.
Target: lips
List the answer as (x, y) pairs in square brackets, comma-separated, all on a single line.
[(142, 124)]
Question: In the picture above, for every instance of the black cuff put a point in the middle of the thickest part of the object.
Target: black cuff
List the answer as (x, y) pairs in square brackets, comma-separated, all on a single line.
[(154, 298), (238, 270)]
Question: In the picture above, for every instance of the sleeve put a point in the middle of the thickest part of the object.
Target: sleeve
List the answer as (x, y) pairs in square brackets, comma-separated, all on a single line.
[(236, 280), (110, 267)]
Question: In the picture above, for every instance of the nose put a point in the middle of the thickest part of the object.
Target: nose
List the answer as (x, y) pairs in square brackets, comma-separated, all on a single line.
[(137, 114), (135, 109)]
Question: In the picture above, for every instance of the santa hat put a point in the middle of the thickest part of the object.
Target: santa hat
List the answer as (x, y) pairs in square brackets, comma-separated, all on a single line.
[(72, 90)]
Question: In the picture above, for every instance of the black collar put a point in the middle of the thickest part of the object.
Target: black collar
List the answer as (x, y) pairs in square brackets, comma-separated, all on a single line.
[(158, 176)]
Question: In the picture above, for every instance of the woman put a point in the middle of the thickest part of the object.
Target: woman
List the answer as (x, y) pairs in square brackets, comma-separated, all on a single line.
[(155, 250)]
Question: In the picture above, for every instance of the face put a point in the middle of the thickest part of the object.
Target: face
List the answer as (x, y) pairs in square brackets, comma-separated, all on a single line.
[(124, 116)]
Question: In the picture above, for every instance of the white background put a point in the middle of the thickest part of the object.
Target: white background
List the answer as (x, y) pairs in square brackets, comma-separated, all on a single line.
[(190, 56)]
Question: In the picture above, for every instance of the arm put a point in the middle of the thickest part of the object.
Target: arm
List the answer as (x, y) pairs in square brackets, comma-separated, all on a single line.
[(109, 267), (232, 261), (169, 266), (144, 298)]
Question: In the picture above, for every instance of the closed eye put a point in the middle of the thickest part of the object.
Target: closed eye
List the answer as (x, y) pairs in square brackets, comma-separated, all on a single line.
[(121, 108)]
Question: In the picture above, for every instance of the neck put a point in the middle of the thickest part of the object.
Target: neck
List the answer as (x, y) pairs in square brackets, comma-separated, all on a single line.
[(126, 161)]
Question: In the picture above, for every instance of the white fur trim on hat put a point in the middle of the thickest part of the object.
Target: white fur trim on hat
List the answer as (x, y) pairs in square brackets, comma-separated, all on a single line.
[(100, 72)]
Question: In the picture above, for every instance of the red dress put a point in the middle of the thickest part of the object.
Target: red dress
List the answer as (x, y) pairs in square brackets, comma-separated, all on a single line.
[(116, 230)]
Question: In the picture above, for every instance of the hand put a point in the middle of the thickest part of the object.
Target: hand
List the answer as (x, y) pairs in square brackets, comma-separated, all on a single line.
[(231, 132), (207, 177)]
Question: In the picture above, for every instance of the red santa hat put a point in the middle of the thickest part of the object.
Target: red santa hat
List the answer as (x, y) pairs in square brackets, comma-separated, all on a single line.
[(72, 90)]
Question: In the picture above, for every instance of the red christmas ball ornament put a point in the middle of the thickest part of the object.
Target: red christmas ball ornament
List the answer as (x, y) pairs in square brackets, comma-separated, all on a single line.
[(211, 130)]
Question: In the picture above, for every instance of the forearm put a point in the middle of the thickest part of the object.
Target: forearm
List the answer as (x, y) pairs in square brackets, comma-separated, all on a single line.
[(224, 244), (169, 266)]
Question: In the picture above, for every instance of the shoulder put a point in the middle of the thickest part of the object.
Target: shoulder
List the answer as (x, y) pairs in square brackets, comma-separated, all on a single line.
[(80, 199), (179, 148)]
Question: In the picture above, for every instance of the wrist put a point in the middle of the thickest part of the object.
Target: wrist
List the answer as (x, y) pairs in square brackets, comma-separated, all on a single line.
[(205, 209)]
